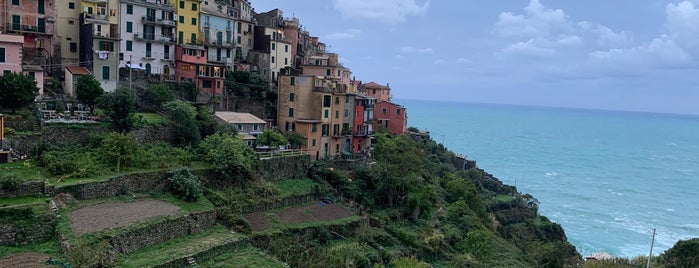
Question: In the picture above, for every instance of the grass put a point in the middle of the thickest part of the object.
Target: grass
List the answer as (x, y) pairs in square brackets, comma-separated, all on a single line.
[(276, 226), (27, 200), (202, 204), (26, 170), (113, 174), (51, 248), (243, 258), (178, 247), (290, 187), (150, 119)]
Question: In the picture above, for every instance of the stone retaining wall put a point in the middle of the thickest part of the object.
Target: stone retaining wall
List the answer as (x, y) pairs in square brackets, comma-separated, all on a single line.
[(30, 188), (132, 183), (32, 229), (289, 167), (134, 239), (205, 255)]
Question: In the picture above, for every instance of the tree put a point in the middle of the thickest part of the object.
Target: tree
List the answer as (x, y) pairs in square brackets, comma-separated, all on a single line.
[(683, 254), (121, 149), (296, 140), (88, 91), (160, 94), (119, 106), (272, 139), (229, 154), (184, 117), (186, 185), (17, 90)]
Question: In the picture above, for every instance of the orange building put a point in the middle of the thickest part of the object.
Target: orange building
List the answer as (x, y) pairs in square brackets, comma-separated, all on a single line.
[(192, 66), (391, 116), (377, 91)]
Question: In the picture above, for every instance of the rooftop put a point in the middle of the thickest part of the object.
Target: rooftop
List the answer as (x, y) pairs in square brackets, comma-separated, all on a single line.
[(77, 70), (239, 118)]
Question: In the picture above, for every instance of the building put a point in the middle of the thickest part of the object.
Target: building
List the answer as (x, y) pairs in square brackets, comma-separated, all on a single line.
[(314, 107), (5, 154), (72, 73), (269, 39), (248, 125), (34, 20), (244, 33), (300, 40), (67, 14), (393, 117), (328, 65), (11, 53), (217, 25), (148, 31), (188, 14), (377, 91), (99, 41), (192, 64), (363, 123)]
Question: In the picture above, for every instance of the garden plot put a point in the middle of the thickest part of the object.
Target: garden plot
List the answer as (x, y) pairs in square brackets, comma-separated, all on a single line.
[(117, 214), (26, 260), (317, 212)]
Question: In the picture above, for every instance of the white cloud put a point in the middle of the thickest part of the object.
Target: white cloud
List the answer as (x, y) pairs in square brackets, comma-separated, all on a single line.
[(527, 50), (388, 11), (537, 20), (463, 60), (414, 50), (348, 34), (683, 23), (605, 36), (662, 52)]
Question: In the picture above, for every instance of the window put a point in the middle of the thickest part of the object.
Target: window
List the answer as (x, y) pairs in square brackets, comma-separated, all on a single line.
[(327, 72), (15, 2), (255, 127), (108, 46), (346, 113), (384, 110), (181, 19), (105, 72), (6, 72), (240, 26), (326, 113), (194, 6), (346, 99), (129, 45), (313, 143), (206, 84), (326, 130), (314, 128), (129, 9), (272, 59), (240, 127), (2, 54), (326, 101), (71, 5), (274, 46), (292, 81), (337, 148), (292, 96), (286, 61), (398, 111), (194, 21), (337, 100), (129, 27), (286, 48), (181, 4), (291, 112), (239, 39), (228, 53), (337, 114), (73, 46)]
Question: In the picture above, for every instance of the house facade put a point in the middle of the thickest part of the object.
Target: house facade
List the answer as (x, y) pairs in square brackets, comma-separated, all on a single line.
[(100, 40), (248, 125), (148, 36), (377, 91), (72, 73), (68, 32), (217, 26), (193, 66), (11, 53), (391, 116), (244, 33)]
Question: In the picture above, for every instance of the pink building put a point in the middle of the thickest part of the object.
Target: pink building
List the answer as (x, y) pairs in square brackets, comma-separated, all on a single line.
[(192, 66), (391, 116), (379, 92), (11, 53)]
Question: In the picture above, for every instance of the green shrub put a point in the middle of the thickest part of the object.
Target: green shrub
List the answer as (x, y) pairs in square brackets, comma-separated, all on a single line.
[(186, 185), (236, 222), (10, 182), (9, 131)]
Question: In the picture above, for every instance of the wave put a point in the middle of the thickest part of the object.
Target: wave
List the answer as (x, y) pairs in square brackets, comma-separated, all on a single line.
[(551, 174)]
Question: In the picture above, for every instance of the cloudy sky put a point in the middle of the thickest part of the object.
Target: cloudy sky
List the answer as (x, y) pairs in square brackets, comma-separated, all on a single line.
[(600, 54)]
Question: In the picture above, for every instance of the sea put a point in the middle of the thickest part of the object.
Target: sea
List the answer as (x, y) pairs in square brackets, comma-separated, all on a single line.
[(609, 178)]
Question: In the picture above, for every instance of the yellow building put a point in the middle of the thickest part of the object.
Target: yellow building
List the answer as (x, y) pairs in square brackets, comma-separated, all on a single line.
[(188, 28)]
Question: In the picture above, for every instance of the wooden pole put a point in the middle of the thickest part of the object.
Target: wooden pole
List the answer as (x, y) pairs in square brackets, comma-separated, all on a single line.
[(650, 255)]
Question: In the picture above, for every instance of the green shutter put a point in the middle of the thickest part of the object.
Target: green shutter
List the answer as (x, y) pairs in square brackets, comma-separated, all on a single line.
[(129, 45), (129, 27), (105, 72), (2, 54)]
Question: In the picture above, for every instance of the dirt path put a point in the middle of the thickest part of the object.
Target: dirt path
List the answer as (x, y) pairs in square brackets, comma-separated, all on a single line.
[(121, 214), (263, 220), (26, 260)]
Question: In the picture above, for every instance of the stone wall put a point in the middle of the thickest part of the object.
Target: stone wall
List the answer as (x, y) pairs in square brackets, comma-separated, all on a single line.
[(290, 167), (134, 239), (30, 188), (20, 226), (131, 183), (155, 134), (206, 254)]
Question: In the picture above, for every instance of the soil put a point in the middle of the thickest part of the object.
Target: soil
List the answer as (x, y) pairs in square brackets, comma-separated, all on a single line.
[(26, 260), (119, 214), (263, 220)]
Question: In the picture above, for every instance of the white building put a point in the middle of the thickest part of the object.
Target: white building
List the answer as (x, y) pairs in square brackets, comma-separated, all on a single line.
[(148, 36)]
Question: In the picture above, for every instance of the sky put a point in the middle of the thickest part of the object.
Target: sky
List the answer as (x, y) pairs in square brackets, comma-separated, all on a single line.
[(637, 55)]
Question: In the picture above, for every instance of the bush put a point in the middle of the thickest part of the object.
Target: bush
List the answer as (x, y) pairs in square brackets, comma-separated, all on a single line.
[(186, 185), (10, 182), (236, 222), (9, 131), (683, 254)]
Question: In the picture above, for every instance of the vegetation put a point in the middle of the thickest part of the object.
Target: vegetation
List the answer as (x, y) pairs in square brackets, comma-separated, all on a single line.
[(120, 150), (119, 106), (684, 254), (186, 185), (88, 91), (17, 91), (272, 139), (229, 154), (183, 117), (159, 94), (296, 140)]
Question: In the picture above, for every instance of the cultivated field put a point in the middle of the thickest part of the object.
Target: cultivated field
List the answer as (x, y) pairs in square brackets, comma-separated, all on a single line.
[(117, 214), (260, 221)]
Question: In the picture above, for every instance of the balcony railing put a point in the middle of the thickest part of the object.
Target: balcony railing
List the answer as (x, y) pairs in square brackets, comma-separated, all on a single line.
[(364, 133), (98, 18), (219, 43), (97, 1), (23, 28), (160, 6), (153, 38), (157, 21)]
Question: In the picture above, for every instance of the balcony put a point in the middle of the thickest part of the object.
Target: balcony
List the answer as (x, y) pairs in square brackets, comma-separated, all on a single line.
[(219, 43), (96, 18), (155, 21), (168, 58), (23, 28), (97, 1), (147, 37), (364, 133), (220, 60), (159, 6)]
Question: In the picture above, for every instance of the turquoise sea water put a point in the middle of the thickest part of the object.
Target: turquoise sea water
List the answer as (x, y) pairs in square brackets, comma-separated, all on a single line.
[(608, 177)]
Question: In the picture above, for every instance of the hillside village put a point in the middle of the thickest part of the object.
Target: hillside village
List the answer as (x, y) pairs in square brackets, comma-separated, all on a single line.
[(136, 43)]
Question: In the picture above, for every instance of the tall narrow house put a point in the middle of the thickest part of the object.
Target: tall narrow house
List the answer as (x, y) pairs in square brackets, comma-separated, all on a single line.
[(99, 40), (148, 32)]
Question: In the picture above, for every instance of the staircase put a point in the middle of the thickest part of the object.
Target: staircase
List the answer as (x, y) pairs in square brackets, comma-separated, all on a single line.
[(191, 262)]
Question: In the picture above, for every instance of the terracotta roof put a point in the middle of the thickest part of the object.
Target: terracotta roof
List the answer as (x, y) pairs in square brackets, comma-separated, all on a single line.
[(239, 118), (79, 70), (374, 85)]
